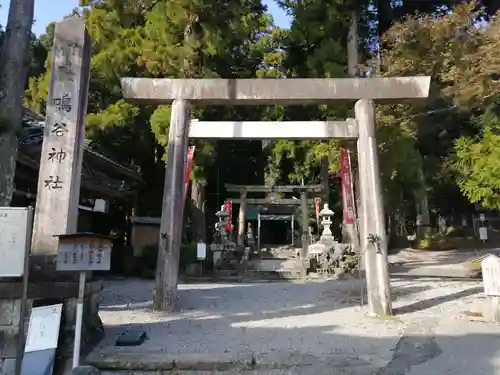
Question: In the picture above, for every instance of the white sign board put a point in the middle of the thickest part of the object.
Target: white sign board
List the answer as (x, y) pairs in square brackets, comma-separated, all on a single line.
[(201, 250), (483, 233), (15, 230), (43, 330), (490, 267), (82, 257)]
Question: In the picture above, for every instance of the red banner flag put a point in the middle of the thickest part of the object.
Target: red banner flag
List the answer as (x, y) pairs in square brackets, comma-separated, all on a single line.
[(229, 210), (189, 161), (349, 208), (317, 205)]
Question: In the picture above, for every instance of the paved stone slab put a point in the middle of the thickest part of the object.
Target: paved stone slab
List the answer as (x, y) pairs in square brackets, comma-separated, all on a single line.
[(273, 91)]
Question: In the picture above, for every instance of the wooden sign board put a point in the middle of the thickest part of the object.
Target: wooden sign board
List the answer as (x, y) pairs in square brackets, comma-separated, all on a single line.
[(490, 267), (84, 253), (15, 233)]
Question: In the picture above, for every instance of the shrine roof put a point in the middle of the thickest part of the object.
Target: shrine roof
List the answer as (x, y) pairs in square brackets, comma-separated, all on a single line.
[(99, 172)]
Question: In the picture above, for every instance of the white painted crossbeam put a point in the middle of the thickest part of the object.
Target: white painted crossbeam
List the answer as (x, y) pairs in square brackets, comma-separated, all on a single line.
[(273, 129), (273, 91)]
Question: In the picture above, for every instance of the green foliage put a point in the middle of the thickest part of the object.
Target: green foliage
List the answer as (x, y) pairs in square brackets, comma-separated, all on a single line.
[(452, 238), (456, 131), (160, 123), (315, 46), (450, 137), (477, 161), (422, 136), (119, 114)]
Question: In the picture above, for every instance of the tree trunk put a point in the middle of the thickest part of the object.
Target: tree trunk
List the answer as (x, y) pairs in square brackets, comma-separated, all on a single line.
[(13, 70), (325, 176), (397, 232), (422, 207), (353, 46), (350, 232), (198, 211)]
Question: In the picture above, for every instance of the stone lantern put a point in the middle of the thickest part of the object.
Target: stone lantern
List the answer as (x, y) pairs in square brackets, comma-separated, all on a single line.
[(222, 216), (217, 248), (250, 237), (327, 252), (326, 235)]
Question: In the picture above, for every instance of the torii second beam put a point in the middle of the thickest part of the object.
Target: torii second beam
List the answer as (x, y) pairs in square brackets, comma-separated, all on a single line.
[(293, 130)]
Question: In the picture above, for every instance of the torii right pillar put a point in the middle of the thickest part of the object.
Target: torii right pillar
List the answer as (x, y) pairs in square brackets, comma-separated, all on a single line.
[(373, 235)]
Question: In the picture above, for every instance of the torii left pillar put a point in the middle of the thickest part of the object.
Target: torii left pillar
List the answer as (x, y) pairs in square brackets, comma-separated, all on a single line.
[(167, 267)]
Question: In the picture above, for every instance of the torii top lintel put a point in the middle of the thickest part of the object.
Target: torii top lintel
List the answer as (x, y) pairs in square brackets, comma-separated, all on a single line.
[(273, 91)]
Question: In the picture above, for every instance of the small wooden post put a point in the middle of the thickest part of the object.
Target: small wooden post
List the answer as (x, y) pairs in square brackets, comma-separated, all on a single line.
[(167, 267), (490, 267), (82, 253)]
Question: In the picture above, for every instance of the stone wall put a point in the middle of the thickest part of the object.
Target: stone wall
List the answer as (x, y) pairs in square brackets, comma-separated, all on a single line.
[(7, 365), (10, 312), (64, 292)]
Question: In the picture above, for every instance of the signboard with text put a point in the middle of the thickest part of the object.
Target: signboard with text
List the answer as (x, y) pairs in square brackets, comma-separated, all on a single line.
[(82, 254), (15, 230)]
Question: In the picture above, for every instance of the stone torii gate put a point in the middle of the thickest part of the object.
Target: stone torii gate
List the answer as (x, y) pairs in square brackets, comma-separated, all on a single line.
[(182, 92)]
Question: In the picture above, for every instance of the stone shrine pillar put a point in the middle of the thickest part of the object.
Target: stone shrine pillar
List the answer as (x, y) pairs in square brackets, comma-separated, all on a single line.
[(58, 193)]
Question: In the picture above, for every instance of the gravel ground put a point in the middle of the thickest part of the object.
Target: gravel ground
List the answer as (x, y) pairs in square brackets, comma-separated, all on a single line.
[(309, 328)]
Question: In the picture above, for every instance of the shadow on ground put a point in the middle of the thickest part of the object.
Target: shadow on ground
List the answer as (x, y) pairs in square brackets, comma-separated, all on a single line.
[(292, 296)]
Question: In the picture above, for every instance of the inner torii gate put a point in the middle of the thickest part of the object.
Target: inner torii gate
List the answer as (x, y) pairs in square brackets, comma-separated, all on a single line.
[(182, 92)]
